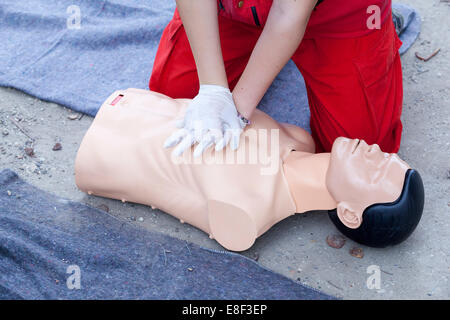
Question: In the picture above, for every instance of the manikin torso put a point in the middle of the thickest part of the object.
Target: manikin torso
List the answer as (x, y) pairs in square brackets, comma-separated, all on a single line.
[(233, 196)]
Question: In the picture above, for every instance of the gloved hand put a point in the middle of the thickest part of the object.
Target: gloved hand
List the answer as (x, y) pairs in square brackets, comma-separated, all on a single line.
[(211, 118)]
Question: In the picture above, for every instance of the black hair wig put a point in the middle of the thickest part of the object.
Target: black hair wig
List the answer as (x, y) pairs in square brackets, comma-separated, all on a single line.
[(388, 223)]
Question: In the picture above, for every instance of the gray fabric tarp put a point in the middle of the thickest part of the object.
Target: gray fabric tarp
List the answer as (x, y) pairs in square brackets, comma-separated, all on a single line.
[(43, 239), (113, 49)]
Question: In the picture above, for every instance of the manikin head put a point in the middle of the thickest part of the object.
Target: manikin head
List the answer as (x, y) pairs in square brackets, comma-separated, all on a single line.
[(379, 197)]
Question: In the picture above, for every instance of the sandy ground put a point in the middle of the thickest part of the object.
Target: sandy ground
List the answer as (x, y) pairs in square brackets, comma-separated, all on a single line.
[(416, 269)]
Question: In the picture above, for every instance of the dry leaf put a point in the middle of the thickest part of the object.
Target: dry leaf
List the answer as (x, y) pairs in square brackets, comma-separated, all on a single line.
[(357, 252), (336, 241)]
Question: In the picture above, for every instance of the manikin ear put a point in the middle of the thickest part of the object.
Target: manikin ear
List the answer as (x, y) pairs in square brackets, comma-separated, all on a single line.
[(350, 217)]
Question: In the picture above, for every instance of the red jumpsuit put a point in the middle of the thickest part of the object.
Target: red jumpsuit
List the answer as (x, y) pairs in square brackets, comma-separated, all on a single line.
[(352, 73)]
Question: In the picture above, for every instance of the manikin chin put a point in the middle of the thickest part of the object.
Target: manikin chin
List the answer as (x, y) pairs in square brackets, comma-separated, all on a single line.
[(373, 197)]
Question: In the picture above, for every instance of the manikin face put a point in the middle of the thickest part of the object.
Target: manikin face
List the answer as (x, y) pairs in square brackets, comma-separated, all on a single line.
[(360, 175)]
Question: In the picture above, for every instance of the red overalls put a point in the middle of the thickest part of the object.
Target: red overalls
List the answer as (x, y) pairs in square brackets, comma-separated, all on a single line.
[(353, 74)]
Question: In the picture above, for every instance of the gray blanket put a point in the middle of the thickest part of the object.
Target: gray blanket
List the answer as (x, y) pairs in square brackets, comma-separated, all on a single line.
[(44, 54), (52, 248)]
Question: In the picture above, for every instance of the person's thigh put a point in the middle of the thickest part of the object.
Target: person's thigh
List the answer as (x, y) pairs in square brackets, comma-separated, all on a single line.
[(174, 71), (354, 88)]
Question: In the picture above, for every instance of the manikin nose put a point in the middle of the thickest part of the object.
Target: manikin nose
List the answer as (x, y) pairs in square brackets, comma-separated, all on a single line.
[(374, 148)]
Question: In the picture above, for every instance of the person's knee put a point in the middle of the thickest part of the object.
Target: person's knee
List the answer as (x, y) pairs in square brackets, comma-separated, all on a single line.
[(174, 88)]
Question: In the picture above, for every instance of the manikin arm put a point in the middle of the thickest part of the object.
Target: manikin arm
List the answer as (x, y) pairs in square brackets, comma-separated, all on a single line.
[(280, 38)]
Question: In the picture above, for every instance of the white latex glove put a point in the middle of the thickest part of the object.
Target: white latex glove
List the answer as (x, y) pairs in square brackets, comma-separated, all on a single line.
[(210, 118)]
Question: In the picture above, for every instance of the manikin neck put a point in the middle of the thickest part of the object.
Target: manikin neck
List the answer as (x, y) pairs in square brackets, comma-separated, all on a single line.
[(306, 177)]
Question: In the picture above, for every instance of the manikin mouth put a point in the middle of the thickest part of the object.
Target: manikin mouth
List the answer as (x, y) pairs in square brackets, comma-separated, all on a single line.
[(356, 146)]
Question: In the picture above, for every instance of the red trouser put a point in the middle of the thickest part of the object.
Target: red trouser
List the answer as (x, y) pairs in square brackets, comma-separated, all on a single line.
[(354, 85)]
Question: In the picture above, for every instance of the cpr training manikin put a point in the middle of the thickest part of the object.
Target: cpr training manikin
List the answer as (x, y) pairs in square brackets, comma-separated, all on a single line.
[(372, 197)]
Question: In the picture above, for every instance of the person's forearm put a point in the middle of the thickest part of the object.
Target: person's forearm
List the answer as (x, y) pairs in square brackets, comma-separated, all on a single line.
[(201, 24), (280, 38)]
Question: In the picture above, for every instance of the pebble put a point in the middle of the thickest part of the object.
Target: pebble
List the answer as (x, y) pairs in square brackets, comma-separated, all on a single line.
[(5, 132), (57, 147), (190, 269), (140, 219), (8, 192), (255, 256), (29, 152), (73, 116), (103, 207)]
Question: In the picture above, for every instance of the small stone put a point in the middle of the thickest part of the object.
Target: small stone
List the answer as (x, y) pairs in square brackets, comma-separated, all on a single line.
[(103, 207), (140, 219), (336, 241), (5, 132), (133, 218), (190, 269), (357, 252), (57, 147), (29, 152), (255, 256), (73, 116), (9, 193)]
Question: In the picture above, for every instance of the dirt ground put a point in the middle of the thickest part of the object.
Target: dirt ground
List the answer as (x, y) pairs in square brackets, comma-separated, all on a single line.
[(419, 268)]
